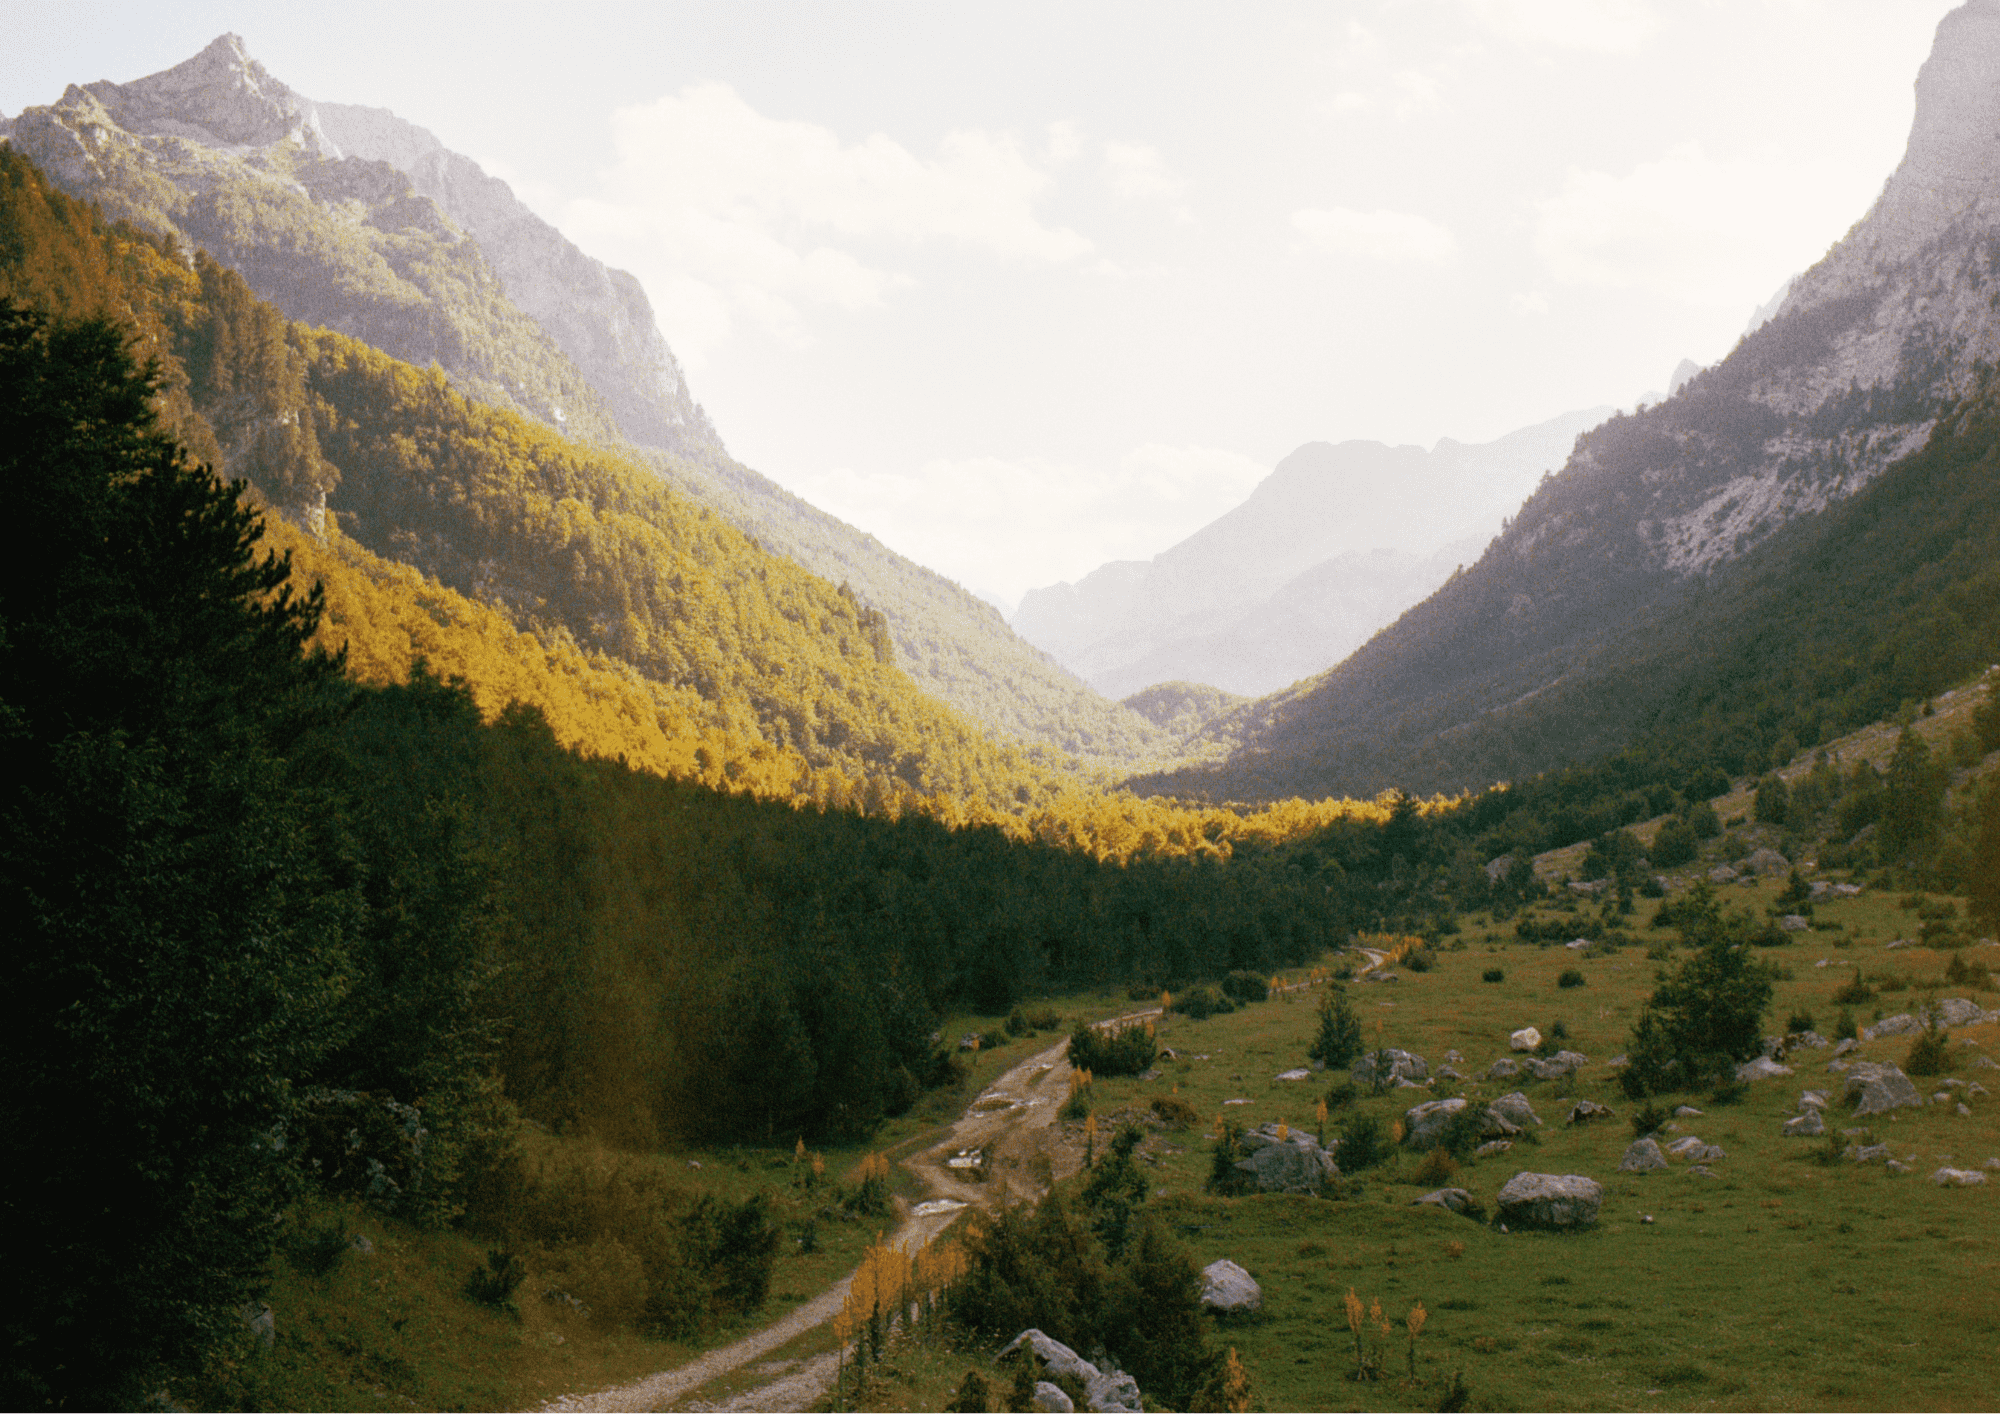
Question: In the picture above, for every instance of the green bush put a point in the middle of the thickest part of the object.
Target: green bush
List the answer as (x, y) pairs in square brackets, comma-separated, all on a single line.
[(1363, 1143), (1930, 1053), (1675, 844), (1419, 960), (1493, 974), (1854, 992), (1338, 1039), (1570, 978), (1200, 1003), (319, 1247), (1224, 1178), (1648, 1118), (1175, 1113), (973, 1396), (1246, 987), (495, 1283), (1126, 1050), (1798, 1022)]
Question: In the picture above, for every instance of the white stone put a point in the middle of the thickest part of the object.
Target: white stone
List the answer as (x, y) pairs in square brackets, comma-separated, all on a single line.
[(1526, 1039), (1227, 1287), (1957, 1178)]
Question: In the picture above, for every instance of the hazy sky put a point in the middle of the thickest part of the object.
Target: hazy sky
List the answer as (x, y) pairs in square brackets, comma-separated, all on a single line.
[(1022, 288)]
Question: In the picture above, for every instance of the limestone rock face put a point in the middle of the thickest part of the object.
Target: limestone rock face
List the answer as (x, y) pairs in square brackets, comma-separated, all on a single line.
[(1050, 1399), (1547, 1200), (1227, 1287)]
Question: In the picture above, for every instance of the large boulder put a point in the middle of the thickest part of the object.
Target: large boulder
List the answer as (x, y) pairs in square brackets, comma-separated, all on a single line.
[(1957, 1178), (1424, 1125), (1558, 1065), (1526, 1039), (1293, 1164), (1112, 1392), (1503, 1069), (1050, 1399), (1059, 1358), (1685, 1145), (1548, 1200), (1226, 1287), (1643, 1156), (1957, 1011), (1390, 1068), (1584, 1111), (1514, 1109), (1805, 1126), (1878, 1087)]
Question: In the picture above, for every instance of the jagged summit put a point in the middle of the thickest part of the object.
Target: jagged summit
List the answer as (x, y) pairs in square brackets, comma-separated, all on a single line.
[(221, 97)]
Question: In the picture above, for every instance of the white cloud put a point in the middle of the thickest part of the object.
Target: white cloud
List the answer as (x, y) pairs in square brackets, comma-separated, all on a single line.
[(1004, 525), (1529, 302), (1139, 173), (714, 204), (1605, 26), (1064, 143), (1400, 237), (1705, 231)]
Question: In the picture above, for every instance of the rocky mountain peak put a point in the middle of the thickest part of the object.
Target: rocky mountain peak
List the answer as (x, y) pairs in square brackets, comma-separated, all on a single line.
[(1952, 163), (221, 97)]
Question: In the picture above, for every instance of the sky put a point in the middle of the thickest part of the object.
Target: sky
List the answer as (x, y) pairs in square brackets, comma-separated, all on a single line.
[(1024, 288)]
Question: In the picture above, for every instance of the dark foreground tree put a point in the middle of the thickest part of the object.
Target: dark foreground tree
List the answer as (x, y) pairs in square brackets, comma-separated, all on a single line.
[(1707, 1013), (175, 931)]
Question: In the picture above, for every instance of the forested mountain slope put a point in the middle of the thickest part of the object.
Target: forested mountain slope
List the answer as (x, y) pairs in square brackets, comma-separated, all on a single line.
[(1642, 576), (356, 220)]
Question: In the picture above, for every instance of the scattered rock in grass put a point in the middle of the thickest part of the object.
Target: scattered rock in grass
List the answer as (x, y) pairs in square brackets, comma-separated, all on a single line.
[(1806, 1041), (1168, 1053), (1899, 943), (1700, 1171), (1577, 944), (1794, 923), (1723, 874), (1455, 1200), (1760, 1069), (1686, 1112), (1824, 962), (1844, 1045), (1707, 1154), (1514, 1108), (1957, 1011), (1050, 1399), (1111, 1392), (1526, 1039), (1805, 1126), (1548, 1200), (1392, 1067), (1496, 869), (1293, 1164), (1957, 1178), (1643, 1156), (1558, 1065), (1236, 1102), (1942, 1097), (1901, 1024), (1617, 1061), (1993, 1163), (1988, 1063), (1446, 1072), (1589, 887), (1584, 1111), (1897, 1166), (1454, 1057), (1975, 1088), (1686, 1145), (1964, 1110), (1767, 862), (362, 1245), (1296, 1074), (1492, 1146), (1226, 1287), (1153, 1074), (1502, 1069), (1865, 1153), (1878, 1087), (1812, 1100), (1059, 1358), (1424, 1124)]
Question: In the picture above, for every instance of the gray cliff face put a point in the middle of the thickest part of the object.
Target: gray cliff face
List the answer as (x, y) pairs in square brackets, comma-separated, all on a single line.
[(429, 258), (600, 317)]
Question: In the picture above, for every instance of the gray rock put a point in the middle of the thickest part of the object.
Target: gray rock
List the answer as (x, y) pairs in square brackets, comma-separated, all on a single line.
[(1454, 1058), (1846, 890), (1584, 1111), (1957, 1011), (1897, 1166), (1549, 1200), (1514, 1108), (1901, 1024), (1558, 1065), (1617, 1061), (1686, 1145), (1760, 1069), (1865, 1153), (1812, 1100), (1578, 944), (1294, 1075), (1591, 888), (1722, 874), (1049, 1399), (262, 1320), (1391, 1067), (1502, 1069), (1496, 869), (1806, 1040), (1642, 1157), (1964, 1110), (1844, 1045), (1686, 1112), (1526, 1039), (1700, 1171), (1707, 1154), (1113, 1392), (1492, 1146), (1767, 862), (1900, 943), (1455, 1200), (1877, 1088), (1294, 1164), (1424, 1125), (1059, 1358), (1795, 923), (1805, 1126), (1446, 1072), (1227, 1287)]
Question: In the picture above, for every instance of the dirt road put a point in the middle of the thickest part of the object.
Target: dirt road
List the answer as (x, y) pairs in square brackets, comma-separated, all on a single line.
[(1011, 1122)]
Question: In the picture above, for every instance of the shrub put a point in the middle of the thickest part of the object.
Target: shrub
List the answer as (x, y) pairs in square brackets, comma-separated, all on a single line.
[(1200, 1003), (973, 1396), (1419, 960), (1017, 1023), (1246, 987), (1103, 1051), (1363, 1143), (495, 1283), (1651, 887), (1798, 1021), (317, 1249), (1729, 1091), (1338, 1039), (1224, 1178), (1570, 978), (1702, 819), (1844, 1028), (1648, 1118), (1342, 1095), (608, 1278), (1675, 844), (1436, 1168), (1493, 974), (1854, 992), (1960, 972), (1175, 1112), (1930, 1053)]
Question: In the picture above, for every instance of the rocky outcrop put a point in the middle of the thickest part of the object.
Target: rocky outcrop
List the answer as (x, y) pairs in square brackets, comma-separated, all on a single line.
[(1227, 1288), (1104, 1390), (1643, 1156), (1293, 1164), (1877, 1088), (1515, 1109)]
